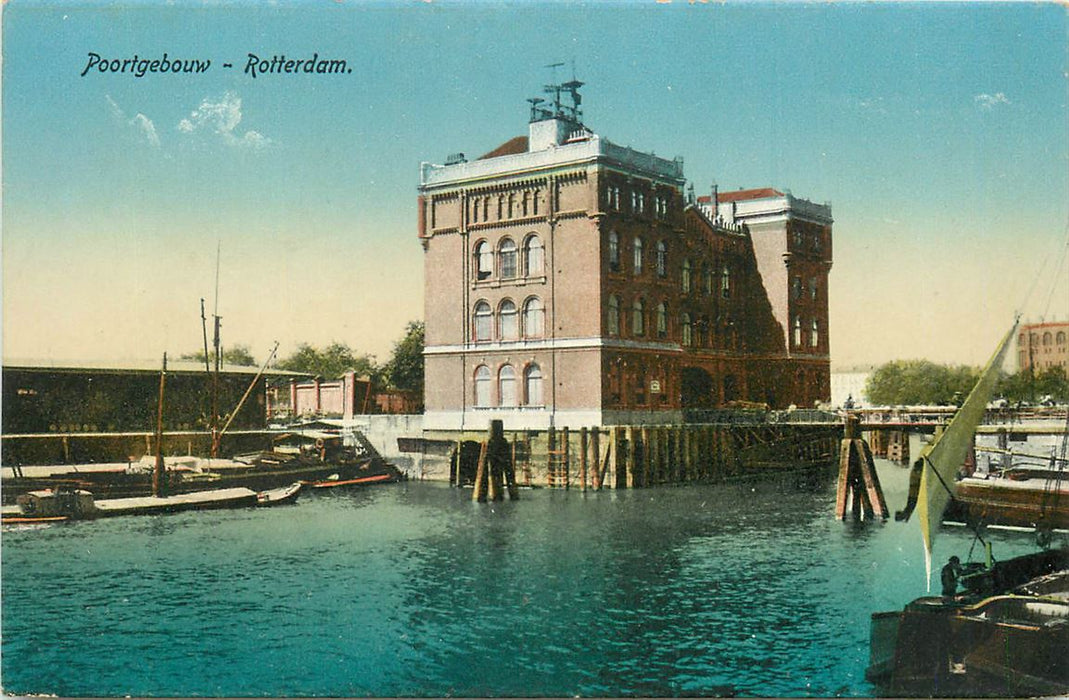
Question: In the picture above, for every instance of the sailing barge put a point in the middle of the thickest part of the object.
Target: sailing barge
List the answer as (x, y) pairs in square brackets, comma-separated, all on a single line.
[(1008, 633)]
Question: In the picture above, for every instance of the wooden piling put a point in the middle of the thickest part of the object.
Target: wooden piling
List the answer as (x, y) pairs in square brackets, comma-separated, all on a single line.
[(584, 448), (595, 438), (478, 493), (858, 482), (631, 463)]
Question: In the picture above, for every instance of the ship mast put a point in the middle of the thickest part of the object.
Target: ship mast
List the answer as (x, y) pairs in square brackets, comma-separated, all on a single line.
[(159, 474)]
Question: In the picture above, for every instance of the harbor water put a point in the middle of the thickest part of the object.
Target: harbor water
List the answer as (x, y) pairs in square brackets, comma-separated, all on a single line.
[(744, 589)]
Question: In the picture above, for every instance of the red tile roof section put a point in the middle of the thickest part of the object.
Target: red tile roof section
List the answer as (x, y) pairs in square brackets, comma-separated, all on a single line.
[(740, 195), (509, 148)]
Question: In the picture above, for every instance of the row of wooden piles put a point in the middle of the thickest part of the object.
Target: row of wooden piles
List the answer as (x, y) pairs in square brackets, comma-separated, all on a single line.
[(640, 456), (890, 444)]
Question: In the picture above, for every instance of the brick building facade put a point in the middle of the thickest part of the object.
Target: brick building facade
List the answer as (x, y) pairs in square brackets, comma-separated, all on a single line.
[(572, 281), (1041, 346)]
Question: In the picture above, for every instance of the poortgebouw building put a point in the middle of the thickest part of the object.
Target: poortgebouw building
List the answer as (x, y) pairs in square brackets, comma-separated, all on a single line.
[(573, 281)]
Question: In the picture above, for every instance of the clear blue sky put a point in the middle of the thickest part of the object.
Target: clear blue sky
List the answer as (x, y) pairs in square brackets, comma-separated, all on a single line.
[(938, 132)]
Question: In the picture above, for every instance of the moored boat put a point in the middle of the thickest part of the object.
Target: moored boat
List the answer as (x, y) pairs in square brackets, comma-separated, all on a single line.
[(1007, 634), (281, 496)]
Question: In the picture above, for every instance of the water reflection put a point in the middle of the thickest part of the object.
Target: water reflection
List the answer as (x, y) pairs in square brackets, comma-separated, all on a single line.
[(411, 589)]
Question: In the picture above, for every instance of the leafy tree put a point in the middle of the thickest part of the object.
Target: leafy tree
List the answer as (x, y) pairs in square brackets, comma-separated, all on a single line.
[(331, 362), (234, 355), (905, 382), (405, 368), (1026, 386)]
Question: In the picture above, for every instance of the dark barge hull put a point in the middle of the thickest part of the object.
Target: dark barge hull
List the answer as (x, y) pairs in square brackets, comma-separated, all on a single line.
[(991, 504), (983, 644)]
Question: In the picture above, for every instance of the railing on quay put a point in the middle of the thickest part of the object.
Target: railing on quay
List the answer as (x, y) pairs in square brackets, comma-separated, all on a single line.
[(736, 416)]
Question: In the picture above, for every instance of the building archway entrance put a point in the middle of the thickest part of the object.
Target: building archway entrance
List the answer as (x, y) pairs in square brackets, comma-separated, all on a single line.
[(696, 388)]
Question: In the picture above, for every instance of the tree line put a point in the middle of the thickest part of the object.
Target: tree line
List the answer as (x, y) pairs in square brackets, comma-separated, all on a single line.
[(921, 382), (403, 371)]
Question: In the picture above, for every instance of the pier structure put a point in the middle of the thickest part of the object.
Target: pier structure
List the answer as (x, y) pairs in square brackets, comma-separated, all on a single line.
[(572, 281), (646, 455)]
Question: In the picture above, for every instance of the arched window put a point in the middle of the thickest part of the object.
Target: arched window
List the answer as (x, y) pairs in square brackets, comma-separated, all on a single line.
[(685, 278), (638, 255), (508, 323), (507, 258), (484, 318), (506, 384), (1033, 338), (797, 331), (533, 318), (614, 251), (482, 386), (532, 380), (638, 318), (814, 288), (613, 320), (814, 334), (1060, 339), (484, 260), (533, 256), (707, 279), (688, 331), (1020, 339), (662, 320), (662, 259), (725, 283), (1047, 338), (796, 288)]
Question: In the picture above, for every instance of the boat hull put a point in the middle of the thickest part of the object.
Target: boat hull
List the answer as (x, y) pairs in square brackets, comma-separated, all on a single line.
[(1006, 503), (151, 505), (1006, 638)]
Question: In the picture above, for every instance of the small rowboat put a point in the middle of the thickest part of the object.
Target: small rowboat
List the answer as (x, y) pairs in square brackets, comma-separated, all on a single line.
[(29, 519), (281, 496), (378, 478)]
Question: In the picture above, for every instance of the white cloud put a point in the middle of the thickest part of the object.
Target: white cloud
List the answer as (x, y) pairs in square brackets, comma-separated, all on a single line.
[(987, 102), (221, 117), (139, 124)]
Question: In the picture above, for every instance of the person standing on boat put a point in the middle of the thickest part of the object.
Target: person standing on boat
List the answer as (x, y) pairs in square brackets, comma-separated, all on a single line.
[(949, 577)]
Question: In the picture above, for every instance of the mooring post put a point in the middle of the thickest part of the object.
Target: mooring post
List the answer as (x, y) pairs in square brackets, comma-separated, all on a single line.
[(630, 465), (478, 493), (858, 482), (584, 448), (595, 439)]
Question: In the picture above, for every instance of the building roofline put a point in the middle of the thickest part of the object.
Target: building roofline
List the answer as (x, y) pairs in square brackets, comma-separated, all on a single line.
[(134, 366)]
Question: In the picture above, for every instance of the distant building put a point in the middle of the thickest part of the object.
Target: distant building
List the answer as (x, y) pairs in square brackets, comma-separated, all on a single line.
[(1041, 346), (339, 398), (571, 281), (849, 384)]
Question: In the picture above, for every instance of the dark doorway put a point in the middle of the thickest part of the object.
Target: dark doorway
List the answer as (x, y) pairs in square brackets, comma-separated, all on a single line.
[(696, 388)]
